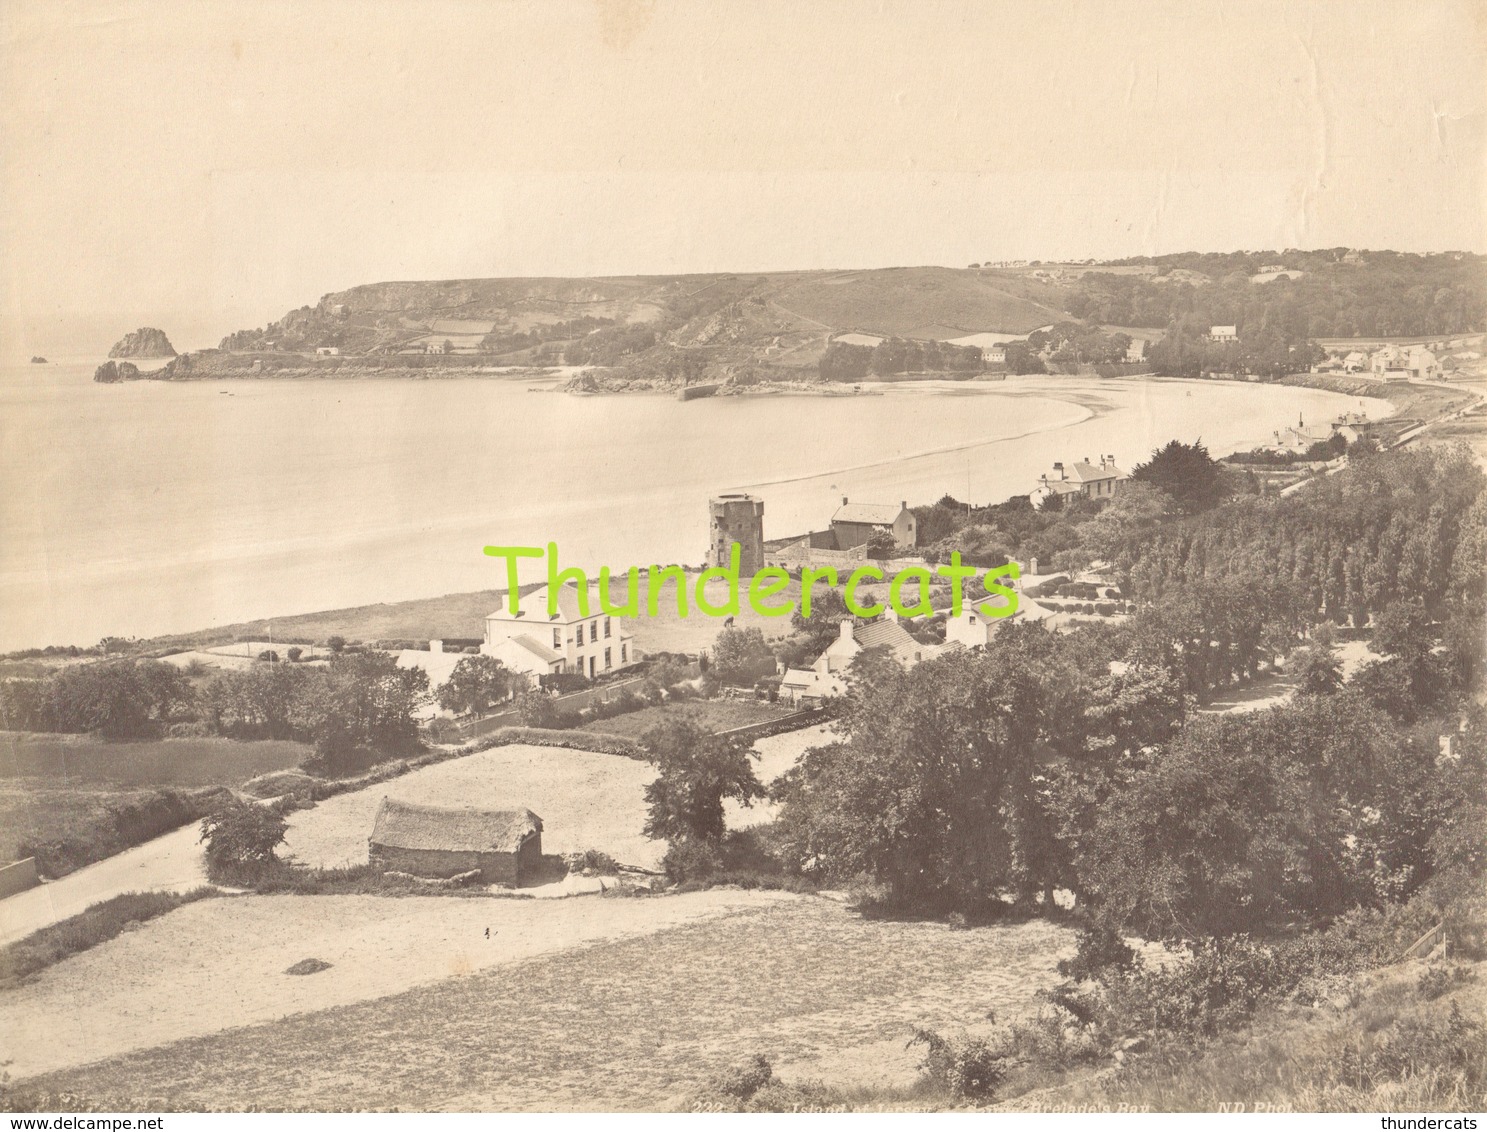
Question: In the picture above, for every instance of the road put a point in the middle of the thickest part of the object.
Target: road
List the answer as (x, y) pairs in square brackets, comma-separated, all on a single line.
[(170, 863)]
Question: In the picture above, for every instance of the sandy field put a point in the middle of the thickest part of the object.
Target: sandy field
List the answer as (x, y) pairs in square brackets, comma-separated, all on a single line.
[(777, 754), (585, 801), (217, 964), (633, 1024)]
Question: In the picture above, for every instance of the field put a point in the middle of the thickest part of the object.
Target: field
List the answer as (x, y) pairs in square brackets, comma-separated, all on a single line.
[(920, 302), (585, 800), (633, 1023), (714, 715), (33, 810), (74, 759), (58, 786), (220, 963)]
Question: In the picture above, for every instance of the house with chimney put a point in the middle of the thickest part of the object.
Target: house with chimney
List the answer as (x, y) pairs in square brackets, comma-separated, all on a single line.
[(1092, 481), (538, 643), (856, 523), (827, 675)]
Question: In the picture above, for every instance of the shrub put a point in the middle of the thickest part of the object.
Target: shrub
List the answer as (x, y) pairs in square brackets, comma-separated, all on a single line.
[(691, 859), (1436, 981), (1099, 950), (241, 838), (966, 1067), (743, 1081), (594, 862), (1216, 987), (295, 653)]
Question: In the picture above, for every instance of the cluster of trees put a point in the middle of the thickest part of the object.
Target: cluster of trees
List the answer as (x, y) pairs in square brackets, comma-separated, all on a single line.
[(846, 361), (509, 341), (120, 699), (359, 702), (609, 346), (1384, 294), (1073, 343), (1076, 760), (1263, 348)]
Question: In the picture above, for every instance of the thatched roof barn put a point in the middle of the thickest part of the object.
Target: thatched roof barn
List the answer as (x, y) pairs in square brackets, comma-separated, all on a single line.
[(437, 841)]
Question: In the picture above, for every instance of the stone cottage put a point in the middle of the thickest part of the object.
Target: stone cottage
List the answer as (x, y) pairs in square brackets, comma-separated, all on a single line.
[(435, 841)]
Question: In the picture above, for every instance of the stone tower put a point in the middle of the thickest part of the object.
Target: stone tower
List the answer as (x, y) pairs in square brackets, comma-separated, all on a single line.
[(736, 518)]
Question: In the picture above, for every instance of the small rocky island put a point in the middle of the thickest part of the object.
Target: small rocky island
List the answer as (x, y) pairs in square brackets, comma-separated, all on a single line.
[(110, 372), (146, 342), (37, 360)]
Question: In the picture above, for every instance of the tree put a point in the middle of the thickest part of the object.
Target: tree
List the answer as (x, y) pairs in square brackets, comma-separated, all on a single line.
[(256, 703), (362, 701), (476, 685), (119, 699), (697, 771), (536, 709), (1187, 473), (1316, 668), (828, 611), (934, 791), (741, 656), (881, 546), (241, 838)]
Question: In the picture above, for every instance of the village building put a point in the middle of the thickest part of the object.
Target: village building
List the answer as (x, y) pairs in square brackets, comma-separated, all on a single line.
[(1299, 439), (827, 675), (327, 351), (1136, 351), (1082, 478), (736, 520), (1355, 362), (856, 523), (537, 643), (1223, 334), (1422, 364), (503, 846), (994, 355), (971, 629), (438, 665)]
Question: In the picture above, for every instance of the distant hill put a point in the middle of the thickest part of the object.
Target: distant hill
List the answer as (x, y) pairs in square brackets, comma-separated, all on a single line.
[(502, 316), (661, 331)]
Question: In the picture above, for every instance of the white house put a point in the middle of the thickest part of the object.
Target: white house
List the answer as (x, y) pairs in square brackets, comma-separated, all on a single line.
[(1223, 334), (537, 643), (1422, 364), (328, 351), (1082, 478), (438, 664)]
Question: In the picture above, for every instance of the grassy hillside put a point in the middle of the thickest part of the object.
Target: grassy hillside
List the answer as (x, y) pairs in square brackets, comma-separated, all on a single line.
[(920, 302)]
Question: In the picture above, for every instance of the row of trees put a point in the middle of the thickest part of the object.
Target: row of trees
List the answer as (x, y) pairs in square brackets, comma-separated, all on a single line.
[(1387, 293), (847, 361)]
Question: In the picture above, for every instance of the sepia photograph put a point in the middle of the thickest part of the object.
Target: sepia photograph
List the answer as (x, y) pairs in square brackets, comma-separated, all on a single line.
[(656, 556)]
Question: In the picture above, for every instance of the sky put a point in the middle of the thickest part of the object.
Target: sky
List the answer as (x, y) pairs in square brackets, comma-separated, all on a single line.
[(206, 165)]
